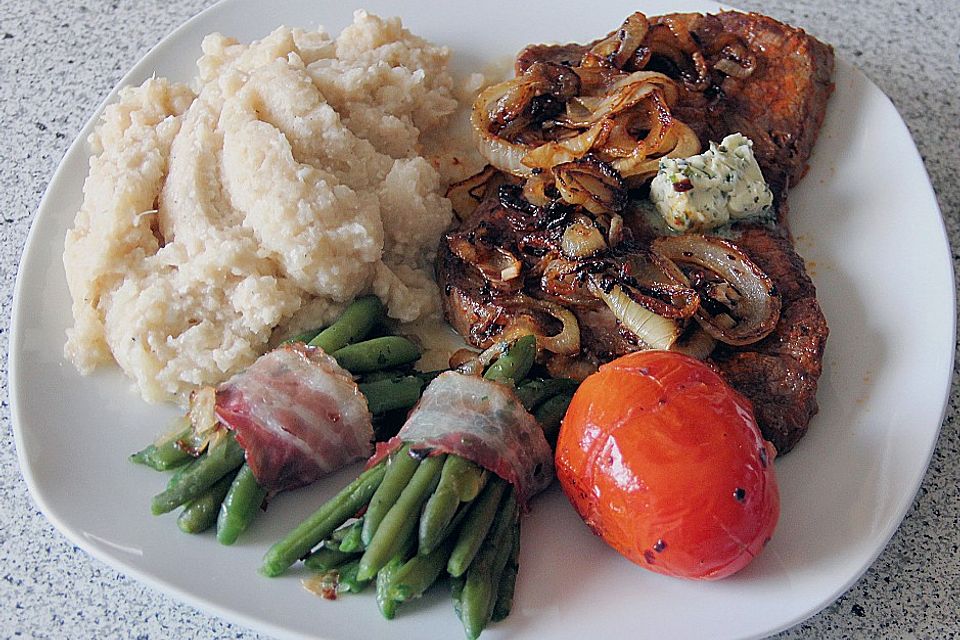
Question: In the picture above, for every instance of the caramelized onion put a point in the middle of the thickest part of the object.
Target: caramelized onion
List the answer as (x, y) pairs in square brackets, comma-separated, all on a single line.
[(203, 420), (695, 343), (671, 37), (618, 48), (548, 155), (615, 233), (564, 342), (592, 184), (562, 281), (501, 111), (496, 263), (625, 92), (739, 304), (657, 284), (537, 190), (466, 361), (654, 330), (582, 239), (467, 194), (499, 152), (732, 68)]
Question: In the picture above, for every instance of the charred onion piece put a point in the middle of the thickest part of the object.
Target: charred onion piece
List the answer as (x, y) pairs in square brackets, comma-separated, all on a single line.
[(695, 342), (671, 38), (535, 317), (503, 110), (649, 296), (738, 302), (592, 184), (562, 280), (652, 329), (550, 154), (619, 47), (467, 194), (497, 265)]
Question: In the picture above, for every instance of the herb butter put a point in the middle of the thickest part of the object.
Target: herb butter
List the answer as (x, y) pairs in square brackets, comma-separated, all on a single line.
[(706, 191)]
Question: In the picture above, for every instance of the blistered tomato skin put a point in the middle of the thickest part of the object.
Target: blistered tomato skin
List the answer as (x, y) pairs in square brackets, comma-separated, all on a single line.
[(665, 462)]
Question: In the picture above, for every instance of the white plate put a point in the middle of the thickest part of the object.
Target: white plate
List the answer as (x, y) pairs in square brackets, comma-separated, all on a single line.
[(867, 222)]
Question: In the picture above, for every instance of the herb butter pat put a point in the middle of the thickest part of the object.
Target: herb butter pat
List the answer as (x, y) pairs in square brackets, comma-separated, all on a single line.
[(708, 190)]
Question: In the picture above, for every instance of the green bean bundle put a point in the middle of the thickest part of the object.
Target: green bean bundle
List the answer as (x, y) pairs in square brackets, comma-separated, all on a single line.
[(431, 514), (211, 481)]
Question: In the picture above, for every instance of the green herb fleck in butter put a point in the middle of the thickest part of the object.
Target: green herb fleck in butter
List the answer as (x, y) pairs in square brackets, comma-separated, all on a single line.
[(706, 191)]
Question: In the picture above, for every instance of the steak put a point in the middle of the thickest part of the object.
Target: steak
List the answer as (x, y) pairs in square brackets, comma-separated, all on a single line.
[(779, 105)]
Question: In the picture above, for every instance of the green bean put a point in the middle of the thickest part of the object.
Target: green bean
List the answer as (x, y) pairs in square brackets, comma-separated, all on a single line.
[(399, 524), (477, 523), (386, 374), (348, 578), (392, 393), (470, 481), (334, 539), (351, 541), (166, 453), (218, 461), (437, 514), (418, 573), (328, 555), (181, 471), (386, 604), (240, 506), (326, 558), (483, 577), (532, 393), (323, 522), (377, 353), (459, 481), (508, 581), (550, 414), (515, 364), (456, 594), (304, 337), (400, 468), (353, 325), (201, 513)]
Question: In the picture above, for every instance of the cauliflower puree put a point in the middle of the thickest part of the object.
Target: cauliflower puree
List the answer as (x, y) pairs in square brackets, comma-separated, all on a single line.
[(287, 180)]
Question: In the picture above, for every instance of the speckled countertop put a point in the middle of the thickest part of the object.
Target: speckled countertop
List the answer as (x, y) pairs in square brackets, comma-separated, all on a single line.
[(59, 59)]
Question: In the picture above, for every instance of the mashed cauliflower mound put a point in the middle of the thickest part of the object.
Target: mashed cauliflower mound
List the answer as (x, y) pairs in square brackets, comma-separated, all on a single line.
[(285, 183)]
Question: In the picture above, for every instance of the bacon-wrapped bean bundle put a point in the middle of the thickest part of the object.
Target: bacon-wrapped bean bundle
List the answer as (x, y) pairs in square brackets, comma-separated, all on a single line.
[(451, 486)]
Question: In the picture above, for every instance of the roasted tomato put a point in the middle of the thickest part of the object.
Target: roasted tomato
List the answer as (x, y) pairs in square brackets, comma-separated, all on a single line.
[(665, 462)]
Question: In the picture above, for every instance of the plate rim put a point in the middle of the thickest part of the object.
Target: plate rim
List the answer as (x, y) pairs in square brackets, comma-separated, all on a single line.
[(229, 615)]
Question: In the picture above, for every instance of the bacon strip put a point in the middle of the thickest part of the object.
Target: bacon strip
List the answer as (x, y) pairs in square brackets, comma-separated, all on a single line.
[(485, 423), (298, 414)]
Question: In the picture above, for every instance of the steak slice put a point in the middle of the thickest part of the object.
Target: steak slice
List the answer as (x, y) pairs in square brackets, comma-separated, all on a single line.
[(780, 105), (779, 374)]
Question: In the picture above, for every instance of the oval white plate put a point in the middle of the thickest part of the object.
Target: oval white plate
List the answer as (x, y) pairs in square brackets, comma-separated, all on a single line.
[(865, 219)]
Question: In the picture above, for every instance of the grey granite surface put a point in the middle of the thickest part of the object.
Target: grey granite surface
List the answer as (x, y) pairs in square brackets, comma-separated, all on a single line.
[(59, 59)]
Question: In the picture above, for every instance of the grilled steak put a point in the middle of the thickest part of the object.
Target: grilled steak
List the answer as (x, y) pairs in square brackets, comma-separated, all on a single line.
[(780, 105)]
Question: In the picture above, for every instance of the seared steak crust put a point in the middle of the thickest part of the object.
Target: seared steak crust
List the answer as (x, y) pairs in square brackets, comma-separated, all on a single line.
[(779, 373), (781, 105)]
